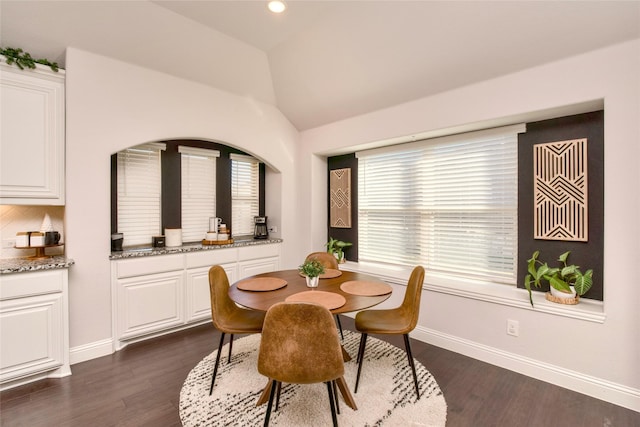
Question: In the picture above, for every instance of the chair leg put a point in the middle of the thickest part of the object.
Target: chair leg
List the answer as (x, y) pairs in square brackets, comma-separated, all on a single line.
[(274, 384), (335, 395), (215, 369), (407, 347), (230, 346), (363, 344), (339, 326), (332, 403), (278, 395)]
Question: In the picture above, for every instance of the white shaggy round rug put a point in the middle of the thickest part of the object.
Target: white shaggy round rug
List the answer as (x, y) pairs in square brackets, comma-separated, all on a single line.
[(386, 394)]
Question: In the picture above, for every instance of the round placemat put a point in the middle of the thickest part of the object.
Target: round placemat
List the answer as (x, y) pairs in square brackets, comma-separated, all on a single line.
[(329, 273), (261, 284), (328, 299), (363, 288)]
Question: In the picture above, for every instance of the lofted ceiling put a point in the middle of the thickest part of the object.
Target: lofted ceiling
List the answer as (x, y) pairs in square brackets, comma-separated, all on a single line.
[(323, 61)]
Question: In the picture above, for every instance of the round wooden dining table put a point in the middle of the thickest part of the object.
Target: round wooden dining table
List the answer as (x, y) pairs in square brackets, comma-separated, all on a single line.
[(277, 286), (296, 283)]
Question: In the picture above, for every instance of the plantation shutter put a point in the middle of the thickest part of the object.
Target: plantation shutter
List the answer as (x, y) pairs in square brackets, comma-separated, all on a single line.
[(198, 167), (245, 174), (449, 204), (139, 193)]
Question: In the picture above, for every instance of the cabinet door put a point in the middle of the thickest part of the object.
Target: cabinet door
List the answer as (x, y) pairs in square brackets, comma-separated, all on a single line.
[(257, 266), (150, 303), (198, 299), (31, 335), (31, 137)]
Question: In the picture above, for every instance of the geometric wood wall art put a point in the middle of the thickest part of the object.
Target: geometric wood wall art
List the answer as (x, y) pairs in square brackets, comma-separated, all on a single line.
[(560, 190), (340, 198)]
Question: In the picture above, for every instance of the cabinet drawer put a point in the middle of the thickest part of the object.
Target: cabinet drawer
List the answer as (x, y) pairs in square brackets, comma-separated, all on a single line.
[(19, 285), (258, 251), (149, 265), (211, 257)]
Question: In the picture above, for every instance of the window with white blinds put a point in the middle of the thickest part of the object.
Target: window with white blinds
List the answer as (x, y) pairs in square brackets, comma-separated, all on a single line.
[(449, 204), (139, 193), (245, 186), (198, 172)]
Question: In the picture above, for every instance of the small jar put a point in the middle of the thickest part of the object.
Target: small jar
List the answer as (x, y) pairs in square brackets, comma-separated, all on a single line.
[(22, 239), (36, 238)]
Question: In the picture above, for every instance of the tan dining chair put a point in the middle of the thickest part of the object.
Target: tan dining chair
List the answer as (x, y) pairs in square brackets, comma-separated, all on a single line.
[(227, 317), (300, 345), (399, 320), (328, 261)]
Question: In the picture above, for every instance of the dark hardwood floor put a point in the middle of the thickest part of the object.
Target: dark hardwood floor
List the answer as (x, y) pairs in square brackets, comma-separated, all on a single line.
[(140, 386)]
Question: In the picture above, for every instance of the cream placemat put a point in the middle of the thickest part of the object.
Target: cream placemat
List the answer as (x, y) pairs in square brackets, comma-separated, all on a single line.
[(363, 288), (261, 284), (328, 299)]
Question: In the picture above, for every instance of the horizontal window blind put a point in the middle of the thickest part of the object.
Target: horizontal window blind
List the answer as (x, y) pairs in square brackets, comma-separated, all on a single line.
[(449, 204), (245, 173), (198, 172), (139, 193)]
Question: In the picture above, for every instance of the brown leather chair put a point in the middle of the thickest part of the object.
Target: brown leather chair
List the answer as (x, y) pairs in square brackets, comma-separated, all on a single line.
[(325, 258), (227, 317), (328, 261), (300, 345), (400, 320)]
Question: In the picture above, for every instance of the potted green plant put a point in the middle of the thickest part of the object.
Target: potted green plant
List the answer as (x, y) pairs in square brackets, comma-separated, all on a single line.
[(312, 270), (565, 283), (336, 247)]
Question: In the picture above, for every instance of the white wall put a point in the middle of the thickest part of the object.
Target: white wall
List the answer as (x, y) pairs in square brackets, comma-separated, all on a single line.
[(601, 358), (112, 105)]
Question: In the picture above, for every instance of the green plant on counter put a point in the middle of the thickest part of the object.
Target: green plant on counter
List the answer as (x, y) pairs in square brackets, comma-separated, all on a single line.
[(24, 60), (336, 247), (311, 268), (560, 278)]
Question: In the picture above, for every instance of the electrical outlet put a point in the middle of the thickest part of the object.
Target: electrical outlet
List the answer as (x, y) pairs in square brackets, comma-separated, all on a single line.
[(8, 243), (513, 328), (273, 229)]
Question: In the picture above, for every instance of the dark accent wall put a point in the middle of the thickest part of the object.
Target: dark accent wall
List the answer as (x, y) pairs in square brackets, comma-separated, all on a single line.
[(172, 183), (346, 234), (585, 254)]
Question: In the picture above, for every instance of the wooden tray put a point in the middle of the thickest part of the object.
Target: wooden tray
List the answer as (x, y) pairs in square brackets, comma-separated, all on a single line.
[(363, 288), (217, 242), (261, 284), (328, 299)]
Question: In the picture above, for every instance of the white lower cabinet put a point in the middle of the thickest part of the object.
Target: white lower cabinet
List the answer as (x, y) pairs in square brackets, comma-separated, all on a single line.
[(34, 326), (154, 295), (150, 303)]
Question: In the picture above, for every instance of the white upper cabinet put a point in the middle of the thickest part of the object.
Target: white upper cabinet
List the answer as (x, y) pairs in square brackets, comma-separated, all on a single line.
[(32, 135)]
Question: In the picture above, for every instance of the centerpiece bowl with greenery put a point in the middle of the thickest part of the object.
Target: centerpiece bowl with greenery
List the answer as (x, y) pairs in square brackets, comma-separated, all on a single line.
[(312, 270), (566, 283)]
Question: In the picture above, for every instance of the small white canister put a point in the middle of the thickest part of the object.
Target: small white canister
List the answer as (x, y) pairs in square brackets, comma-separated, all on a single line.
[(22, 239), (36, 238), (172, 237)]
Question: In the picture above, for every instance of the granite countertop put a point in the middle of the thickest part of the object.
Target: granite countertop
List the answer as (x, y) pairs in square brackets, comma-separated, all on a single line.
[(189, 247), (22, 265)]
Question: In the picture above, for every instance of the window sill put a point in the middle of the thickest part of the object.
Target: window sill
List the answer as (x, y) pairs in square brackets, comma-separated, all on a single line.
[(587, 310)]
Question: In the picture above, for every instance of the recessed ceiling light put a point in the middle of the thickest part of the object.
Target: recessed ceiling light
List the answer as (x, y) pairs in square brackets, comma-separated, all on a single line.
[(277, 6)]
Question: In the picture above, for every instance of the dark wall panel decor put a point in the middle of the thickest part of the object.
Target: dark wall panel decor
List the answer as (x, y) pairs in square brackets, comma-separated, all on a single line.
[(586, 254), (347, 161)]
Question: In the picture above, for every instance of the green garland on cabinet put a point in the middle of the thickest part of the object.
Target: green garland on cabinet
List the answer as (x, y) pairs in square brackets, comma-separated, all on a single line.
[(24, 60)]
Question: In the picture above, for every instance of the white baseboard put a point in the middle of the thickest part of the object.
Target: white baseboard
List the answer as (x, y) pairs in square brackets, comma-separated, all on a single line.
[(90, 351), (608, 391)]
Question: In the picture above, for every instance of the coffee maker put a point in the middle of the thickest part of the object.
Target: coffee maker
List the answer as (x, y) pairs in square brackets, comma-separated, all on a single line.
[(260, 230)]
